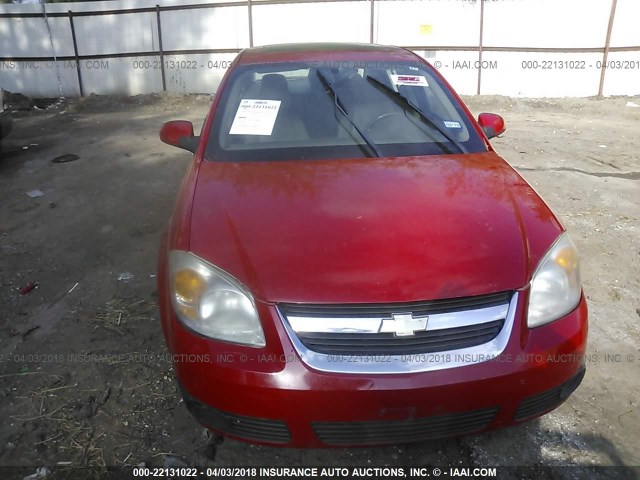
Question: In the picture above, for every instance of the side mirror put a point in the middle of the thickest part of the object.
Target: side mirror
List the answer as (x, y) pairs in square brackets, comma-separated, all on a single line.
[(492, 125), (179, 133)]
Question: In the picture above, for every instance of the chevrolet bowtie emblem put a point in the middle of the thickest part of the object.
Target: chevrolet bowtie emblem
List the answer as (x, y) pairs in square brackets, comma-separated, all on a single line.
[(404, 324)]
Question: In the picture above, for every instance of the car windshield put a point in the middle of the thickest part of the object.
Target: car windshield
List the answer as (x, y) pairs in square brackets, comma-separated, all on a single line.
[(320, 110)]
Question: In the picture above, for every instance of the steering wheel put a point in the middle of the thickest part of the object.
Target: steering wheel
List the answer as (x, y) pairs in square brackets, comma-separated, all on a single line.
[(383, 117)]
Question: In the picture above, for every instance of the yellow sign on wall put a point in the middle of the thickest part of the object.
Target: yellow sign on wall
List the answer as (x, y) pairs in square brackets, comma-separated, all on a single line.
[(426, 29)]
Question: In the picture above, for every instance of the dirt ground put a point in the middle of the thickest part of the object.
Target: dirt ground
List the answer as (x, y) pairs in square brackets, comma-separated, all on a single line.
[(83, 373)]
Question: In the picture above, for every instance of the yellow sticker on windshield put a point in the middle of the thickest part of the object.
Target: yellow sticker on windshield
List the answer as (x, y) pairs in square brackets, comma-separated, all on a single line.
[(413, 80)]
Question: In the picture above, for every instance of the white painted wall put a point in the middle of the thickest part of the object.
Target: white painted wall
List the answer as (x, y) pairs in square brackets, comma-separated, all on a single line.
[(426, 23)]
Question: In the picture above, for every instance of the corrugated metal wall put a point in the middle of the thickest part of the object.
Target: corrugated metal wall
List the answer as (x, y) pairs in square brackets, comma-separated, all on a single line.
[(532, 48)]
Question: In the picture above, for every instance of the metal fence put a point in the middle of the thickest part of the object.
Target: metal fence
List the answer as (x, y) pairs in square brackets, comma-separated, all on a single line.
[(479, 49)]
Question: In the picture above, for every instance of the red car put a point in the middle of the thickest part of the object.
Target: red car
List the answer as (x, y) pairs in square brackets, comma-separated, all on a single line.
[(350, 262)]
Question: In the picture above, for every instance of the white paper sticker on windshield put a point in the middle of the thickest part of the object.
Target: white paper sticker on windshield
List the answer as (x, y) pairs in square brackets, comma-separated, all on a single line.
[(414, 80), (255, 117), (452, 124)]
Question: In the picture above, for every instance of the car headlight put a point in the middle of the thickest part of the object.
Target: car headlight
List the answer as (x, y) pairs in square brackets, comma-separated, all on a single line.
[(211, 302), (555, 286)]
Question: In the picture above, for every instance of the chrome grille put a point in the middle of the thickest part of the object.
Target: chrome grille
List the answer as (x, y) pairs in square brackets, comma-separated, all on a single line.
[(375, 310), (391, 344), (397, 338)]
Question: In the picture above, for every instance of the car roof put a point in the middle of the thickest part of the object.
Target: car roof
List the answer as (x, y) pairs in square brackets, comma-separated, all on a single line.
[(325, 52)]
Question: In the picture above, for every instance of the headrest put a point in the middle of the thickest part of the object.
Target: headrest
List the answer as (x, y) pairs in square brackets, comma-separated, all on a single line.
[(274, 85)]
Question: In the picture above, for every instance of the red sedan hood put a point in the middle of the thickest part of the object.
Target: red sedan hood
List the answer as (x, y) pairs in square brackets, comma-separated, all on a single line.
[(370, 230)]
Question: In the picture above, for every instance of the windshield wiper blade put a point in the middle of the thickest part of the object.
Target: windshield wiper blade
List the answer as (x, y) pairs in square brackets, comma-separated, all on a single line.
[(339, 106), (405, 101)]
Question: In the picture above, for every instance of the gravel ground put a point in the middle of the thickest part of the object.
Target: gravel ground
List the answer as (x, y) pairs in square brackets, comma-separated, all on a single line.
[(90, 243)]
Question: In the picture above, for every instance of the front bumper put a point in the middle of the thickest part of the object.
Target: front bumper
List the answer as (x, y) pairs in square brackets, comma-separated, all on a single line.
[(376, 432), (270, 396)]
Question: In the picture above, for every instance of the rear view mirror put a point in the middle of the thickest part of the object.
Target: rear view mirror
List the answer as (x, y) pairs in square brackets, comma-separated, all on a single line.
[(492, 125), (179, 133)]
